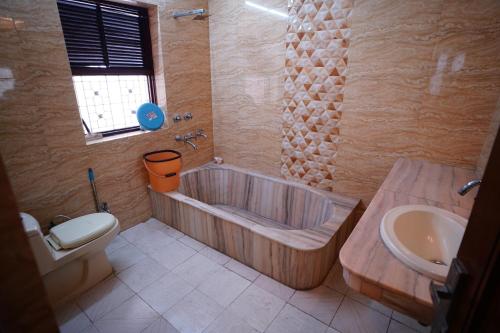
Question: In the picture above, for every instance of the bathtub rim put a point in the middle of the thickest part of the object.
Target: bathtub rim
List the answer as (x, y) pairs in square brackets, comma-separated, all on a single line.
[(344, 208)]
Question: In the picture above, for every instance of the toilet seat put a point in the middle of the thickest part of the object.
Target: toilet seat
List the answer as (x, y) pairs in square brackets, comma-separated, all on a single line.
[(81, 230)]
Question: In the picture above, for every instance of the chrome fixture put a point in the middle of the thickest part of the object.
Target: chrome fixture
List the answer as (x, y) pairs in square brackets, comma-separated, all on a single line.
[(469, 186), (199, 14), (201, 132), (188, 116), (187, 139), (176, 118)]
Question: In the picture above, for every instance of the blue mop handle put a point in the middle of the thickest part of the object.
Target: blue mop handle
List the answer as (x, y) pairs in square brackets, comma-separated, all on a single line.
[(91, 175)]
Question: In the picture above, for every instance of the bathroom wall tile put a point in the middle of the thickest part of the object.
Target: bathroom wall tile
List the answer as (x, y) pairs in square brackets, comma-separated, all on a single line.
[(142, 274), (320, 303), (247, 72), (223, 286), (47, 157), (132, 316), (104, 297), (292, 320), (356, 317), (274, 287), (194, 313), (164, 293), (242, 270), (257, 307)]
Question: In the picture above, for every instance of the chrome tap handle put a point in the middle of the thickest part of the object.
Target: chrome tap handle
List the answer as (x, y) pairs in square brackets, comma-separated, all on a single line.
[(201, 132)]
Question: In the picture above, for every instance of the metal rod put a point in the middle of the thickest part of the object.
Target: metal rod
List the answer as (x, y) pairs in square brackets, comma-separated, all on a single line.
[(183, 13)]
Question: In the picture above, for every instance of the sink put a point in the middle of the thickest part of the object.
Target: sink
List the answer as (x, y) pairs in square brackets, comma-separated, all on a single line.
[(425, 238)]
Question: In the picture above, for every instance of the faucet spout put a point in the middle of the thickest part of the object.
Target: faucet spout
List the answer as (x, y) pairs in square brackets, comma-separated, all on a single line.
[(469, 186), (195, 146)]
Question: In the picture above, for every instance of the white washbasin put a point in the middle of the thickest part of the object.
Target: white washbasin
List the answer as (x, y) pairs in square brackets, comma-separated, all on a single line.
[(425, 238)]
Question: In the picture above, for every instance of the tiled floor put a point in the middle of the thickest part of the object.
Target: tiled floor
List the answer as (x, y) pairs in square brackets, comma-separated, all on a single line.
[(165, 281)]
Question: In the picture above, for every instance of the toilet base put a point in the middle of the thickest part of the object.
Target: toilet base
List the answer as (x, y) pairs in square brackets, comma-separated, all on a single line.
[(77, 276)]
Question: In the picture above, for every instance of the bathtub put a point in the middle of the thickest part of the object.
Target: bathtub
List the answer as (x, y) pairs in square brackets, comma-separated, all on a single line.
[(285, 230)]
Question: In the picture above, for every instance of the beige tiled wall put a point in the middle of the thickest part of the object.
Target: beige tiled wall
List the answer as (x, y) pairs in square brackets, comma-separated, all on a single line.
[(422, 82), (247, 54), (41, 139)]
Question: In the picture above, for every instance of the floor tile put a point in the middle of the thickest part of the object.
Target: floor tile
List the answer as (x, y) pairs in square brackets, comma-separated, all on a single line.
[(71, 319), (242, 270), (160, 325), (142, 274), (223, 286), (90, 329), (191, 242), (132, 316), (332, 330), (172, 232), (410, 322), (138, 231), (335, 280), (155, 224), (228, 322), (215, 255), (150, 243), (125, 257), (193, 313), (257, 307), (274, 287), (196, 269), (115, 244), (396, 327), (173, 254), (320, 302), (165, 292), (292, 320), (354, 317), (369, 302), (104, 297)]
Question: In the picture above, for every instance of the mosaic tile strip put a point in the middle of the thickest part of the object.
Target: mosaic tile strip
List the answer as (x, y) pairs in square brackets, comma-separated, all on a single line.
[(315, 72)]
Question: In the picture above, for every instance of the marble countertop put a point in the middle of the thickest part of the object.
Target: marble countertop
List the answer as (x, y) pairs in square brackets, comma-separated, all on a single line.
[(368, 265)]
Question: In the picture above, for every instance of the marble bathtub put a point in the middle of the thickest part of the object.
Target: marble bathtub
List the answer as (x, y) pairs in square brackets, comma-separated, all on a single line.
[(288, 231)]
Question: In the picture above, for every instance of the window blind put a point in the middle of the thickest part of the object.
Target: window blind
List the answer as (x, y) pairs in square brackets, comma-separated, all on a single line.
[(106, 38)]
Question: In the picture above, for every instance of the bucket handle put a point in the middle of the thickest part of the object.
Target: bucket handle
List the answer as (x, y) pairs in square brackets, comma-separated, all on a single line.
[(156, 174)]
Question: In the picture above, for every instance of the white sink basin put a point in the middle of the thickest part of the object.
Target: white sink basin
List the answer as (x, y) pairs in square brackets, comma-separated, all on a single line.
[(425, 238)]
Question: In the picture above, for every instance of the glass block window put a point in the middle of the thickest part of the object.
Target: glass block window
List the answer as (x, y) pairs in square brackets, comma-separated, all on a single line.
[(110, 102)]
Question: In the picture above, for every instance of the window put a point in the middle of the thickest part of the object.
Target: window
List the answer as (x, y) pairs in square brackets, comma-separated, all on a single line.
[(109, 50)]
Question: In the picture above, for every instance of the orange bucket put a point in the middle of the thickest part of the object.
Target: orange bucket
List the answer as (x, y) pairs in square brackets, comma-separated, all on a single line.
[(163, 167)]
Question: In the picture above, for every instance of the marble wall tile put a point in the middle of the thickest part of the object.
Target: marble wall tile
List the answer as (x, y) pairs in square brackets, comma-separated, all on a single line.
[(247, 54), (47, 157)]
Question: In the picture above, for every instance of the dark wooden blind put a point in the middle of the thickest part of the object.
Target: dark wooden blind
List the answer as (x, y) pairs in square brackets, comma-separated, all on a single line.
[(106, 38)]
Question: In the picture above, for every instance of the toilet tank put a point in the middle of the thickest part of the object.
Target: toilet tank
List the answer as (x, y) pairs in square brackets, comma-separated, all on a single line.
[(38, 244), (31, 225)]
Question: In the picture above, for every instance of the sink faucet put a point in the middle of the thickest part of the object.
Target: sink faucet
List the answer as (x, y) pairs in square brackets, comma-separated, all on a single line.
[(469, 186), (187, 139), (201, 132)]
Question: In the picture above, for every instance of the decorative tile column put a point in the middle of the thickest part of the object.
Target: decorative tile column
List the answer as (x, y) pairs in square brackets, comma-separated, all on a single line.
[(317, 42)]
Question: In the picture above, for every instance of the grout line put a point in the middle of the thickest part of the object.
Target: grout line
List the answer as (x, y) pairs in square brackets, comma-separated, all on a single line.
[(336, 311)]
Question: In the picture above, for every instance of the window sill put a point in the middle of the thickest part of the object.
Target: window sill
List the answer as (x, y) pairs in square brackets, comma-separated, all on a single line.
[(114, 137)]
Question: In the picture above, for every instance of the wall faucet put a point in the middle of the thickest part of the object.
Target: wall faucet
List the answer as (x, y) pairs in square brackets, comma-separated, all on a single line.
[(469, 186), (187, 139), (201, 132)]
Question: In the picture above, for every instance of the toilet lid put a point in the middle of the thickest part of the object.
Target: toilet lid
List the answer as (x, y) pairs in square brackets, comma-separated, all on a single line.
[(79, 231)]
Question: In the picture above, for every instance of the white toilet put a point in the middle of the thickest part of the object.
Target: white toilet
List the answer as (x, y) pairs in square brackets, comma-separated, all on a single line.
[(71, 258)]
